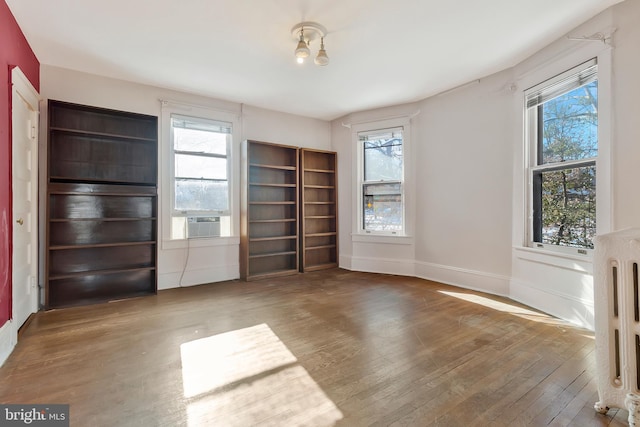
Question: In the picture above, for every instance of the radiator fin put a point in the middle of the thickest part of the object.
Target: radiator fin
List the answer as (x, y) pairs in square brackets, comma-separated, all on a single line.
[(636, 311), (614, 271), (637, 362), (617, 351)]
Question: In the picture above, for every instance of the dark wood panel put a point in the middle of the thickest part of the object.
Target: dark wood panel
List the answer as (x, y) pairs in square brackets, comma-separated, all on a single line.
[(99, 189), (91, 206), (273, 264), (319, 225), (320, 210), (319, 219), (319, 178), (97, 288), (81, 117), (100, 258), (272, 194), (319, 195), (320, 241), (271, 176), (319, 160), (321, 257), (272, 229), (272, 154), (101, 204), (95, 232), (267, 212), (273, 246), (92, 158)]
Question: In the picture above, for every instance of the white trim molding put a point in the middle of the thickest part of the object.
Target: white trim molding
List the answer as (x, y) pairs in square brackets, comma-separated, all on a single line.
[(200, 276), (464, 278), (578, 311), (401, 267), (8, 340)]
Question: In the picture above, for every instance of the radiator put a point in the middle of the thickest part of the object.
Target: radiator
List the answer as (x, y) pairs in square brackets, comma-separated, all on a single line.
[(617, 317)]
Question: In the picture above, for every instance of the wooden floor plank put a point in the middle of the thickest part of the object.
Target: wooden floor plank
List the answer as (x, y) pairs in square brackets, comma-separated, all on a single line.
[(328, 348)]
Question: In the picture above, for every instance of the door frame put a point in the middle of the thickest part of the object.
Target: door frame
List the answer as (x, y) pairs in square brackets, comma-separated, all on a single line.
[(21, 86)]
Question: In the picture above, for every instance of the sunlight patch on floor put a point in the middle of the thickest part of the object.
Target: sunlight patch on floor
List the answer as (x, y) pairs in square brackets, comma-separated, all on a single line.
[(522, 312), (249, 377)]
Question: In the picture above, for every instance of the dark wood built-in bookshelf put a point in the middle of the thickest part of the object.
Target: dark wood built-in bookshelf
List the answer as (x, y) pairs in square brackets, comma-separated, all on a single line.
[(101, 231), (289, 212), (319, 210), (269, 210)]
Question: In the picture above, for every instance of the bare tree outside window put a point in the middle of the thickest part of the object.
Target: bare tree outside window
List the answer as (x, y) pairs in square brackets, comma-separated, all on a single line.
[(383, 174), (564, 178)]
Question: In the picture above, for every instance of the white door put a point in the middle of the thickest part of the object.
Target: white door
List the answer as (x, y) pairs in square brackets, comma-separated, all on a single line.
[(25, 199)]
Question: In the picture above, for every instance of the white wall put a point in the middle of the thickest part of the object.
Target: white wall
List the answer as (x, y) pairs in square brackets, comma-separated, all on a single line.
[(465, 155), (394, 255), (626, 107), (470, 188), (562, 284), (203, 262), (460, 209)]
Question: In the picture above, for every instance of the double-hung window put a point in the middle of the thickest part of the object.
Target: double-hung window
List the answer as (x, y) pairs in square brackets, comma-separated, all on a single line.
[(200, 193), (562, 132), (382, 181)]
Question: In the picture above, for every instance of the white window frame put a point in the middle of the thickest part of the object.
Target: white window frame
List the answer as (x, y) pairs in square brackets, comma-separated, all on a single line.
[(359, 233), (167, 182), (200, 213), (532, 166)]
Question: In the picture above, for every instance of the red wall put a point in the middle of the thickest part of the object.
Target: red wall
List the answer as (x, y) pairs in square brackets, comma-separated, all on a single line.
[(14, 51)]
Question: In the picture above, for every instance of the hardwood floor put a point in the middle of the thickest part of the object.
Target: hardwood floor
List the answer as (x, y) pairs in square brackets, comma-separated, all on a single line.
[(325, 348)]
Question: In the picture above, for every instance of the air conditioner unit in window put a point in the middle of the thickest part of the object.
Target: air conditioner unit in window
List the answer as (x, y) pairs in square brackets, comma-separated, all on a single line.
[(203, 226)]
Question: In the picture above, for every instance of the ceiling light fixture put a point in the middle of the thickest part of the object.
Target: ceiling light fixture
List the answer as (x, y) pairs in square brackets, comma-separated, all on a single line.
[(305, 32)]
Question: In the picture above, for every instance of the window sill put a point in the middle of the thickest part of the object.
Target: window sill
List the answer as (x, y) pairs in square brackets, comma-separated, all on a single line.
[(200, 243), (378, 238)]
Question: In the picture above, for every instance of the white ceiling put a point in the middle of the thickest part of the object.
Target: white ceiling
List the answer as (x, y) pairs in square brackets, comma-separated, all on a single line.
[(383, 52)]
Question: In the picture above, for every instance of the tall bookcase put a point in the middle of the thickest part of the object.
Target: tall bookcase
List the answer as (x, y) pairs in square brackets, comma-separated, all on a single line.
[(269, 210), (318, 219), (101, 234)]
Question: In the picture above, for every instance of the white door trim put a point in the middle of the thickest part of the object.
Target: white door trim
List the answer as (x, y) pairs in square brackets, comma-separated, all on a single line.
[(26, 89), (22, 85)]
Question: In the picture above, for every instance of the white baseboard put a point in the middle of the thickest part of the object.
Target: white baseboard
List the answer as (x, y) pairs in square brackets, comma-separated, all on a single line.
[(400, 267), (198, 277), (345, 262), (463, 278), (8, 340), (575, 310)]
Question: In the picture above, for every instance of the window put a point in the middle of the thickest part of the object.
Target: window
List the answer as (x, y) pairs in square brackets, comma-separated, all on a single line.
[(200, 159), (562, 119), (382, 181)]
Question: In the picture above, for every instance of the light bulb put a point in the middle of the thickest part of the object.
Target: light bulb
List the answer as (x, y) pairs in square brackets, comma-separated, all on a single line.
[(302, 50), (322, 58)]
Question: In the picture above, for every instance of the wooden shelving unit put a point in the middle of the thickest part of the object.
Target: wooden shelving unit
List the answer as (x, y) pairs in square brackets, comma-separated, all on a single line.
[(319, 210), (101, 232), (269, 210)]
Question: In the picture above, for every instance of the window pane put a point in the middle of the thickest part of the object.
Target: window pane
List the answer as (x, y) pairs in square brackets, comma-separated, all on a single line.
[(199, 141), (567, 204), (193, 195), (190, 166), (383, 158), (569, 125), (382, 207)]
